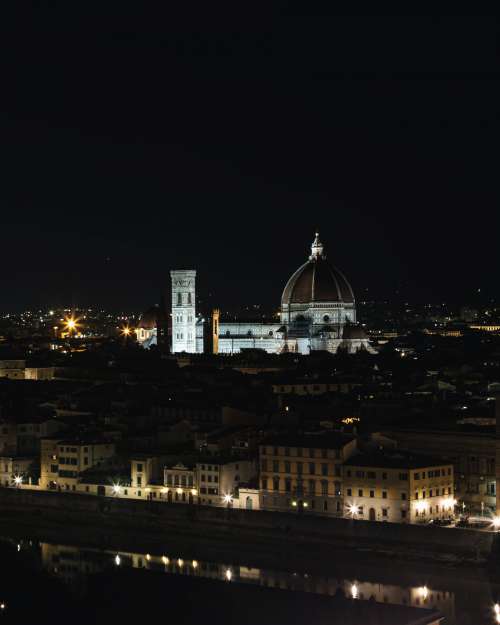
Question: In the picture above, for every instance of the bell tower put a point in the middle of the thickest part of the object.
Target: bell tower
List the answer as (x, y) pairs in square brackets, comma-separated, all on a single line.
[(183, 310)]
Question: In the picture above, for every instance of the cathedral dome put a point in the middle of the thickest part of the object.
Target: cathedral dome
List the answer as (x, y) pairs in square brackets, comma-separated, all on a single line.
[(317, 281)]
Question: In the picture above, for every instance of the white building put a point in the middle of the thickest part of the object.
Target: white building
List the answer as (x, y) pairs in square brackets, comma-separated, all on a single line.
[(318, 312)]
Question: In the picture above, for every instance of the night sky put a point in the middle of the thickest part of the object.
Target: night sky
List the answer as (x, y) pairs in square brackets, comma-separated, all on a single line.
[(137, 141)]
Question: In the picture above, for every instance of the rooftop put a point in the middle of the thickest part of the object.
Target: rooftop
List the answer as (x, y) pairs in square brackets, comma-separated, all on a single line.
[(314, 441), (393, 459)]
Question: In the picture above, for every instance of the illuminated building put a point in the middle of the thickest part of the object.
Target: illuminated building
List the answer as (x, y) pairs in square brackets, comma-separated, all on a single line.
[(318, 312), (397, 486), (304, 472)]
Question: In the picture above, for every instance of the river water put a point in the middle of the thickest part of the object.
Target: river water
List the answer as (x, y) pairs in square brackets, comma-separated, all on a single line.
[(463, 597)]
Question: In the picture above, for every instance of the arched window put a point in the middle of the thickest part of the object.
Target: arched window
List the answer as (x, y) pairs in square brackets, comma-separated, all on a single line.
[(249, 503)]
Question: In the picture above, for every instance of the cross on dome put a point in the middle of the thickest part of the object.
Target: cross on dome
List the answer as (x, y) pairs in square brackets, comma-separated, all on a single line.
[(316, 248)]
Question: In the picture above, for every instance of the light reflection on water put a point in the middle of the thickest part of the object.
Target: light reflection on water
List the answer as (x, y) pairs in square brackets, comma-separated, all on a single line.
[(74, 564)]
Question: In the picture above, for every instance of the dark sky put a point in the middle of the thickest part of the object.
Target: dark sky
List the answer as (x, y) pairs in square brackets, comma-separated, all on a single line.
[(135, 141)]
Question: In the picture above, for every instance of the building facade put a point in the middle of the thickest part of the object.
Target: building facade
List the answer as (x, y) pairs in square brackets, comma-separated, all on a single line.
[(398, 487), (304, 472)]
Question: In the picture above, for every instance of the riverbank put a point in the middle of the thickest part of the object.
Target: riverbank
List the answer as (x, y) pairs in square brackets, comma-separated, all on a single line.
[(292, 541)]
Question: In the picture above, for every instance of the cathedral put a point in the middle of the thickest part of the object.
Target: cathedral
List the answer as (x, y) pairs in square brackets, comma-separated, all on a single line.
[(318, 312)]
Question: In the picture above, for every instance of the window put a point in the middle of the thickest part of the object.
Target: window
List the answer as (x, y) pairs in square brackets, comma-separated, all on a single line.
[(299, 468), (371, 475), (423, 494), (264, 483), (416, 476), (139, 480), (276, 483), (263, 465), (338, 470), (324, 469), (85, 460), (287, 466), (372, 493), (336, 488), (384, 494), (179, 299), (348, 473), (423, 475), (403, 514), (384, 476), (361, 510), (276, 466), (403, 476), (430, 493), (139, 467), (349, 492), (312, 487), (384, 512), (403, 496), (325, 505), (360, 474), (288, 485), (312, 468), (416, 495), (360, 492), (324, 487)]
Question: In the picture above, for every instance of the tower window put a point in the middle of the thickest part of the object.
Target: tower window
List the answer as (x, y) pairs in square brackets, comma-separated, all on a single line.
[(179, 299), (189, 298)]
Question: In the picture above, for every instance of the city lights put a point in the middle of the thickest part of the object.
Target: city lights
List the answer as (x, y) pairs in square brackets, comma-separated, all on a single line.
[(354, 591), (423, 592), (180, 562), (228, 575), (118, 560), (126, 331), (421, 506), (228, 498), (353, 509), (165, 560), (496, 610), (496, 522), (195, 564), (18, 480), (117, 489), (449, 503)]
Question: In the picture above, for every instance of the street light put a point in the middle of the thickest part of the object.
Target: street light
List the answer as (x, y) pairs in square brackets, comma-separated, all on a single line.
[(353, 510), (18, 480), (496, 522), (117, 489), (228, 499)]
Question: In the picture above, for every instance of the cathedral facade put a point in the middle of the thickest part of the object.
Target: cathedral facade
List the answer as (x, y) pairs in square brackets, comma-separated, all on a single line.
[(318, 312)]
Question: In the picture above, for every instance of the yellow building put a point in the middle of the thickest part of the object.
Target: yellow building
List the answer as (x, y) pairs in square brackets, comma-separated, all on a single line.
[(304, 472), (397, 486), (63, 460)]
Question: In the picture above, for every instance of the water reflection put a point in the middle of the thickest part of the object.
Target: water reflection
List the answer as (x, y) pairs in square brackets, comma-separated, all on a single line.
[(449, 595)]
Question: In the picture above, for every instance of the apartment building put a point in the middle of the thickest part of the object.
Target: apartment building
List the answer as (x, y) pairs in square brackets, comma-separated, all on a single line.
[(300, 472), (62, 461), (397, 486)]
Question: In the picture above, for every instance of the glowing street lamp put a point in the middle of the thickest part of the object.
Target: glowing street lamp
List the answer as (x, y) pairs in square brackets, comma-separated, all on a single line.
[(118, 560), (354, 591), (228, 499), (117, 489), (71, 325), (496, 522), (126, 331), (496, 610), (228, 574), (18, 480), (353, 510)]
